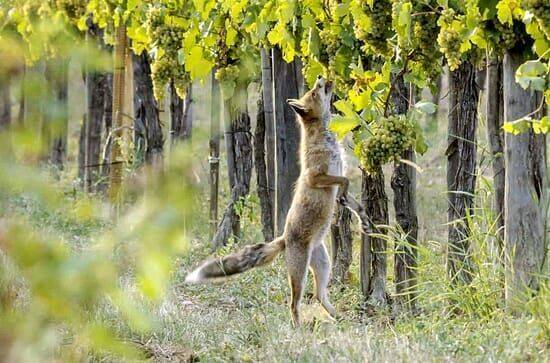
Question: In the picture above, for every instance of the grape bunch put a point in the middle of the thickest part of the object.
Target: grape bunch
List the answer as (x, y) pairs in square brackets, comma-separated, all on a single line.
[(181, 80), (168, 37), (449, 43), (165, 69), (228, 73), (333, 7), (391, 136), (161, 73), (422, 34), (155, 18), (74, 9), (329, 41), (541, 10), (507, 38), (447, 15), (380, 15)]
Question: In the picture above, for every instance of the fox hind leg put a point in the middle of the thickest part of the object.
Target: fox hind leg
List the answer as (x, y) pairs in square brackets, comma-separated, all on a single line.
[(297, 259), (320, 265)]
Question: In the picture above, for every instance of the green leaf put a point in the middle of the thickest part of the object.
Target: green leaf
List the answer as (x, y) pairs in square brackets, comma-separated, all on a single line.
[(196, 64), (132, 4), (518, 126), (542, 126), (504, 13), (420, 145), (81, 24), (425, 107), (341, 126), (230, 37), (532, 74), (488, 8)]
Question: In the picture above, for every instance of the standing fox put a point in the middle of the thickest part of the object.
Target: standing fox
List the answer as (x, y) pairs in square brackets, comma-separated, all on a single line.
[(310, 213)]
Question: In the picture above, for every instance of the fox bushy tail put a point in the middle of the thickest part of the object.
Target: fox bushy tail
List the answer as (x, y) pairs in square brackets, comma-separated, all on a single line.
[(243, 260)]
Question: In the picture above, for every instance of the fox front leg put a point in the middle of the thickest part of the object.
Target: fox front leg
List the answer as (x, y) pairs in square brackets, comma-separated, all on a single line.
[(323, 180)]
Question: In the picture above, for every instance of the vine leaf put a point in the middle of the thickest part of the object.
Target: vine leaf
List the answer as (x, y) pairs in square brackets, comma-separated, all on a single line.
[(532, 74), (425, 107), (341, 125), (196, 64)]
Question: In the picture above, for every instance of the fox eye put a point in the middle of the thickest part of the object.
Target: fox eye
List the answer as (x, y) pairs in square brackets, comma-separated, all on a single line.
[(314, 94)]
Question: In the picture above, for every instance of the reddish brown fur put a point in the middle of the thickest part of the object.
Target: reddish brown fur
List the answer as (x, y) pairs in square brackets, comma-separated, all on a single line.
[(310, 213)]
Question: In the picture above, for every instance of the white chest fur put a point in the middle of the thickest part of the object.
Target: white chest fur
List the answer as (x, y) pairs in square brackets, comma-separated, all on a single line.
[(336, 163)]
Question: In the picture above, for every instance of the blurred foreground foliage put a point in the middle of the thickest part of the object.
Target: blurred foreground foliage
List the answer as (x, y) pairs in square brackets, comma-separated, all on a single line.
[(50, 288)]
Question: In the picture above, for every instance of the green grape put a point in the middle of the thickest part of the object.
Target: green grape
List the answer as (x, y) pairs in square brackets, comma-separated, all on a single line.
[(427, 54), (380, 15), (507, 38), (329, 41), (449, 42), (168, 37), (74, 9), (161, 73), (228, 73), (391, 136), (447, 15)]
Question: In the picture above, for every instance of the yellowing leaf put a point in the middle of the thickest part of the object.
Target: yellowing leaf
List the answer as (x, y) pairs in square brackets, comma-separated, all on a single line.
[(275, 36), (342, 125), (230, 37), (504, 13), (81, 23), (195, 63)]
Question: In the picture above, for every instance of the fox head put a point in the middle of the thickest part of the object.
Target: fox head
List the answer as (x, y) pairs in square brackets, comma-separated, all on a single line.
[(315, 104)]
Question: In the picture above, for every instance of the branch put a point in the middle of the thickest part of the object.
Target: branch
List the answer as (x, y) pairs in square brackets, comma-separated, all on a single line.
[(392, 86)]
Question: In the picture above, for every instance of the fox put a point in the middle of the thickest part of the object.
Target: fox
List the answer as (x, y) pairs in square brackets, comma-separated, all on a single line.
[(319, 185)]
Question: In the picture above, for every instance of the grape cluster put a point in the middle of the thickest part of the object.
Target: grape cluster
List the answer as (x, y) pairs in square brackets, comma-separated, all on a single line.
[(228, 73), (541, 10), (166, 68), (380, 15), (391, 136), (168, 37), (507, 38), (447, 15), (155, 18), (161, 73), (449, 43), (74, 9), (422, 37), (333, 7), (329, 41)]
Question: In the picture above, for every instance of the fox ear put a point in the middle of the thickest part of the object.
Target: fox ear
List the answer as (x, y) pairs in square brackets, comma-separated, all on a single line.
[(297, 106)]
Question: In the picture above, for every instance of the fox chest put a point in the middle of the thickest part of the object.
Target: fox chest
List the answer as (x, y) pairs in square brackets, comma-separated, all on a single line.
[(335, 162)]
